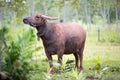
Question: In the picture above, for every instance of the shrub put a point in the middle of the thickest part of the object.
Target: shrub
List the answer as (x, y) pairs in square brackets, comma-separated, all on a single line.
[(110, 36), (16, 58)]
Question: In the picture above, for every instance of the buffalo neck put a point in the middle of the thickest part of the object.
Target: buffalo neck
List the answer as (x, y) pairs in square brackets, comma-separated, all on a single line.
[(41, 30), (45, 32)]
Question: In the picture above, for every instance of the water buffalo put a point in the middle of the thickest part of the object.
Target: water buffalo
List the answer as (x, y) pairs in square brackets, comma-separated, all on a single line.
[(59, 38)]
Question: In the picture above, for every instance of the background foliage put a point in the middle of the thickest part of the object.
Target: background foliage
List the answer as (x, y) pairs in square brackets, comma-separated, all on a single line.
[(22, 57)]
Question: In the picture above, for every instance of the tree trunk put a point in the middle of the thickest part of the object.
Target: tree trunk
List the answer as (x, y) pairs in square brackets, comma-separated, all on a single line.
[(86, 12), (102, 12), (108, 17), (76, 14), (45, 8), (64, 9), (116, 14), (1, 13), (98, 34), (89, 18), (32, 9)]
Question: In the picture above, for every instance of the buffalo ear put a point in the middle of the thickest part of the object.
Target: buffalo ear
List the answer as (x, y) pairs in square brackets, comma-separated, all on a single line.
[(49, 18)]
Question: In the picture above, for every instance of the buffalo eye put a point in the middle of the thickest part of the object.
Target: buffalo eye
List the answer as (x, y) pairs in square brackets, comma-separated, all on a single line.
[(37, 17)]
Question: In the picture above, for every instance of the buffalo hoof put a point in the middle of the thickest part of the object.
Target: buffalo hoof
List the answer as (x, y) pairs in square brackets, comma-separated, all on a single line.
[(51, 70), (80, 69)]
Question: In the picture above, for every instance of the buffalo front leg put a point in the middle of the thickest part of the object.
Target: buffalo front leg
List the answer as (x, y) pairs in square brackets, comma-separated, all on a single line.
[(60, 54), (51, 70), (60, 59)]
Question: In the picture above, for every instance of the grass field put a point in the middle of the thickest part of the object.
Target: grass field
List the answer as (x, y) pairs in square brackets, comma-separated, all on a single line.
[(101, 62)]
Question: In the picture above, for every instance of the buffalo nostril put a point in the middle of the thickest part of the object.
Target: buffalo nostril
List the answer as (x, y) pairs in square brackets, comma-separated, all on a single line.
[(25, 20)]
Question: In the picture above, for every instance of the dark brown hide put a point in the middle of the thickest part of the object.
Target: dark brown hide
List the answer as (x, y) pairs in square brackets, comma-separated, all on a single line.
[(59, 38)]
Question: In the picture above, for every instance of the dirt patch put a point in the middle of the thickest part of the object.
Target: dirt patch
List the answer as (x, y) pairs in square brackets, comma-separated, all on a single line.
[(91, 78)]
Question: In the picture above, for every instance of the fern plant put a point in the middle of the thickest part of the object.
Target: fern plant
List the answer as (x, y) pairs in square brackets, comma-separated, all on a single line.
[(17, 57)]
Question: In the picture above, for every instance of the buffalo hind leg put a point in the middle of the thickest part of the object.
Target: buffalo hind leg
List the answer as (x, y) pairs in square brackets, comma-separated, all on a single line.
[(76, 59), (81, 58)]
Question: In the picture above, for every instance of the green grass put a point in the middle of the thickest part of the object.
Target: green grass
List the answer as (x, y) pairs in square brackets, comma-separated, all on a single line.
[(108, 53), (97, 56)]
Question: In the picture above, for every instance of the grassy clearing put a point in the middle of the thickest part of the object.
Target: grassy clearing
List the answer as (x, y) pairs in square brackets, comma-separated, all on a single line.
[(109, 57), (107, 53), (101, 60)]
